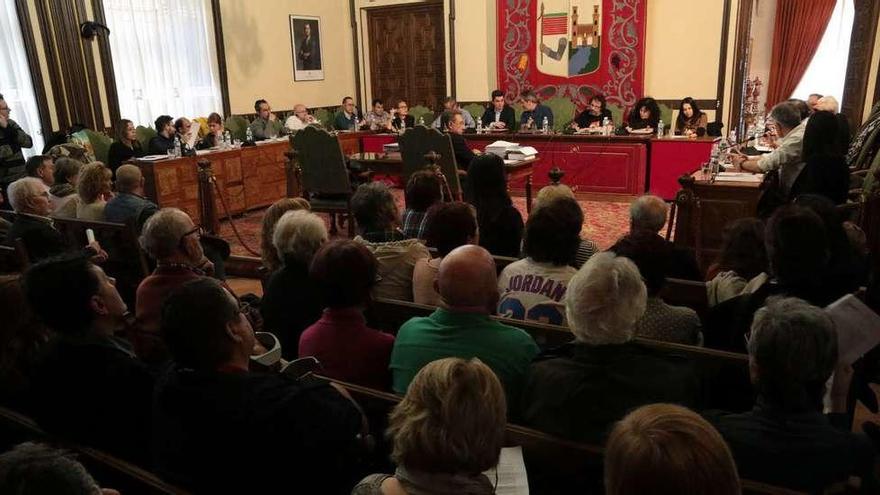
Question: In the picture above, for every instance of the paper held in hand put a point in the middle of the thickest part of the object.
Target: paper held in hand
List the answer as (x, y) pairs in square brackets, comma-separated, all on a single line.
[(858, 328)]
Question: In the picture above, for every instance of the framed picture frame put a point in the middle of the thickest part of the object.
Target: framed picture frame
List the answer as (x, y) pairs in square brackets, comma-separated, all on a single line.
[(305, 43)]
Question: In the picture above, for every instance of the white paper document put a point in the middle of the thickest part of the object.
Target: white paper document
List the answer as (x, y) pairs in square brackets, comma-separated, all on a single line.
[(511, 472), (739, 177), (153, 158), (858, 327)]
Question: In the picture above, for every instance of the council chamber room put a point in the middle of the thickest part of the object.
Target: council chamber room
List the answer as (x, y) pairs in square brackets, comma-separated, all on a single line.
[(424, 247)]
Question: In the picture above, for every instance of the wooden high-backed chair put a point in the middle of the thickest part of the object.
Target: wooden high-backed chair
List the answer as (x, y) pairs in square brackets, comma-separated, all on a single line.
[(417, 143), (323, 173)]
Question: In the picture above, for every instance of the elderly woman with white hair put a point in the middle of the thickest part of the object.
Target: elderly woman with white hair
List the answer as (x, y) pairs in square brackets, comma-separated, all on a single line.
[(578, 390), (291, 302), (29, 198)]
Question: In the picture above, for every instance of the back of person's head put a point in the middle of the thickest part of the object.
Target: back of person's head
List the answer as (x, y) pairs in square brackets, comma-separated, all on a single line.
[(821, 136), (448, 116), (373, 207), (21, 335), (450, 225), (298, 236), (423, 189), (345, 272), (270, 218), (792, 353), (162, 121), (743, 250), (66, 169), (828, 104), (60, 292), (648, 212), (604, 300), (787, 114), (553, 231), (37, 469), (451, 420), (838, 244), (651, 254), (802, 108), (550, 193), (194, 324), (20, 192), (666, 449), (467, 279), (33, 164), (797, 246), (162, 232), (93, 180), (128, 178), (486, 185)]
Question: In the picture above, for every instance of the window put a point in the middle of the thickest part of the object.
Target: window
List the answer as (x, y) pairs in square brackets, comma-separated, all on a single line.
[(15, 78), (827, 70), (164, 58)]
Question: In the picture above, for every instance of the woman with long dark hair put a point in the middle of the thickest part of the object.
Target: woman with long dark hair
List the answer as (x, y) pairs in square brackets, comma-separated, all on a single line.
[(691, 120), (644, 117), (500, 223), (825, 171)]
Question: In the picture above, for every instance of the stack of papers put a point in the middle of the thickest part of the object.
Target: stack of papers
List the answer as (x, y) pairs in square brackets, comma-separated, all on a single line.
[(521, 153), (153, 158), (739, 177), (391, 148), (500, 148)]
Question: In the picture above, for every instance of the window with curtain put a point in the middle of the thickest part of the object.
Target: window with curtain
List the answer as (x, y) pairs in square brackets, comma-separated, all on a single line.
[(827, 71), (15, 78), (164, 58)]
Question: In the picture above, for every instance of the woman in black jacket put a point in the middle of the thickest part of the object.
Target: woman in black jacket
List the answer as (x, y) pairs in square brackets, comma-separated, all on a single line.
[(501, 225), (825, 171)]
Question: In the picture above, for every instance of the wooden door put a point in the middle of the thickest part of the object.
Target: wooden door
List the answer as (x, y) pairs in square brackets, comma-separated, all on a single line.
[(407, 54)]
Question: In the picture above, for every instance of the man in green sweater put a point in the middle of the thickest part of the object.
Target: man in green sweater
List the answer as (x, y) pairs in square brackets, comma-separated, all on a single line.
[(462, 326)]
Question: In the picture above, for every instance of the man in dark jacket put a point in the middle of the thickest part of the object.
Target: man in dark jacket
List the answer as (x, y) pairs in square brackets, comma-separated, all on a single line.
[(499, 115), (453, 123), (12, 140)]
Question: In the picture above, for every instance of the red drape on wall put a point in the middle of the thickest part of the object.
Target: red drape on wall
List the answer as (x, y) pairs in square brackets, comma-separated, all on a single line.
[(796, 35)]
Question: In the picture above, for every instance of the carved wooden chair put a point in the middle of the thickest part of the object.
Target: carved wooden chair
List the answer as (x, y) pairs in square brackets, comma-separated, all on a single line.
[(324, 177), (424, 147)]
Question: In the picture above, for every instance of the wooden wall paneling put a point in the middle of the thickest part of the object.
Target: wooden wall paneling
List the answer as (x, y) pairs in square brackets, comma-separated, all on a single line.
[(221, 57), (107, 71), (88, 55), (722, 62), (858, 67), (743, 35), (55, 80), (30, 48), (66, 30)]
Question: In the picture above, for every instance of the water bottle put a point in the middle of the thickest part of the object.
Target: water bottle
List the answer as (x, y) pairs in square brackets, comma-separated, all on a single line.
[(249, 135), (357, 123), (606, 124), (479, 125), (732, 138), (402, 124), (545, 126), (177, 150), (421, 121), (660, 129), (227, 140)]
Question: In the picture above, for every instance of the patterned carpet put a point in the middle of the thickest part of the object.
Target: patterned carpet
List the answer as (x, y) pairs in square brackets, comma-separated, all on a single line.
[(604, 223)]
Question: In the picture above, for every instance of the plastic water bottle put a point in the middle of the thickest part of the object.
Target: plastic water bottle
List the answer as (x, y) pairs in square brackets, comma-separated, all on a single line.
[(249, 135), (227, 140), (545, 126), (357, 123), (479, 125), (421, 121), (177, 150), (732, 138), (402, 124), (606, 124), (660, 129)]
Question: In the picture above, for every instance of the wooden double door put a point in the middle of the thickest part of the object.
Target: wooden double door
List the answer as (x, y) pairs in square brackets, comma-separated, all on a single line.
[(407, 54)]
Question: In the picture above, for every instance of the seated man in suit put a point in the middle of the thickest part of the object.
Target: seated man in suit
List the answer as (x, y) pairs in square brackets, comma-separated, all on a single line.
[(534, 114), (649, 212), (300, 118), (462, 327), (578, 390), (349, 117), (30, 200), (88, 385), (786, 440), (453, 123), (220, 428), (499, 115), (164, 139), (450, 104), (266, 125), (129, 204), (402, 118)]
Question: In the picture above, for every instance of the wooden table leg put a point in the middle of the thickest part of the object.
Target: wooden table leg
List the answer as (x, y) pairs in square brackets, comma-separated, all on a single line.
[(529, 194)]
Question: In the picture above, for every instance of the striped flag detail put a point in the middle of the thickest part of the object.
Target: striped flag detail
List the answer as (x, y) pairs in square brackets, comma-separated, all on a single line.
[(554, 24)]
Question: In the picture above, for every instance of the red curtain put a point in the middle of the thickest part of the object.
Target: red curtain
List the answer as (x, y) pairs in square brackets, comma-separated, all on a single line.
[(799, 27)]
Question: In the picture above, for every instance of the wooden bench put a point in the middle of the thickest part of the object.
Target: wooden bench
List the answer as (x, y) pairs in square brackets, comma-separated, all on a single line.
[(689, 293), (554, 465), (724, 375), (109, 471)]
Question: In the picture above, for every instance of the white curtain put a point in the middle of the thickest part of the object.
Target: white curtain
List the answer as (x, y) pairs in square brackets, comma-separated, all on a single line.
[(164, 58), (15, 77), (827, 71)]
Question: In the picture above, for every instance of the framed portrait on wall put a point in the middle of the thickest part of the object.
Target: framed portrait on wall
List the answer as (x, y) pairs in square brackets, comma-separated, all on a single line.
[(305, 41)]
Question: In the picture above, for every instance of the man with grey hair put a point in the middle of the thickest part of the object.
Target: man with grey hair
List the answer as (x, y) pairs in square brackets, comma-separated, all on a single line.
[(533, 112), (648, 212), (291, 303), (462, 327), (578, 390), (172, 239), (300, 118), (450, 104), (30, 200), (129, 204), (378, 222), (12, 139), (785, 440), (787, 157), (31, 468)]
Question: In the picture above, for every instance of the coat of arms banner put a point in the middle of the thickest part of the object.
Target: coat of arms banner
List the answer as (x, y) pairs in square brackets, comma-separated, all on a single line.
[(572, 49)]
